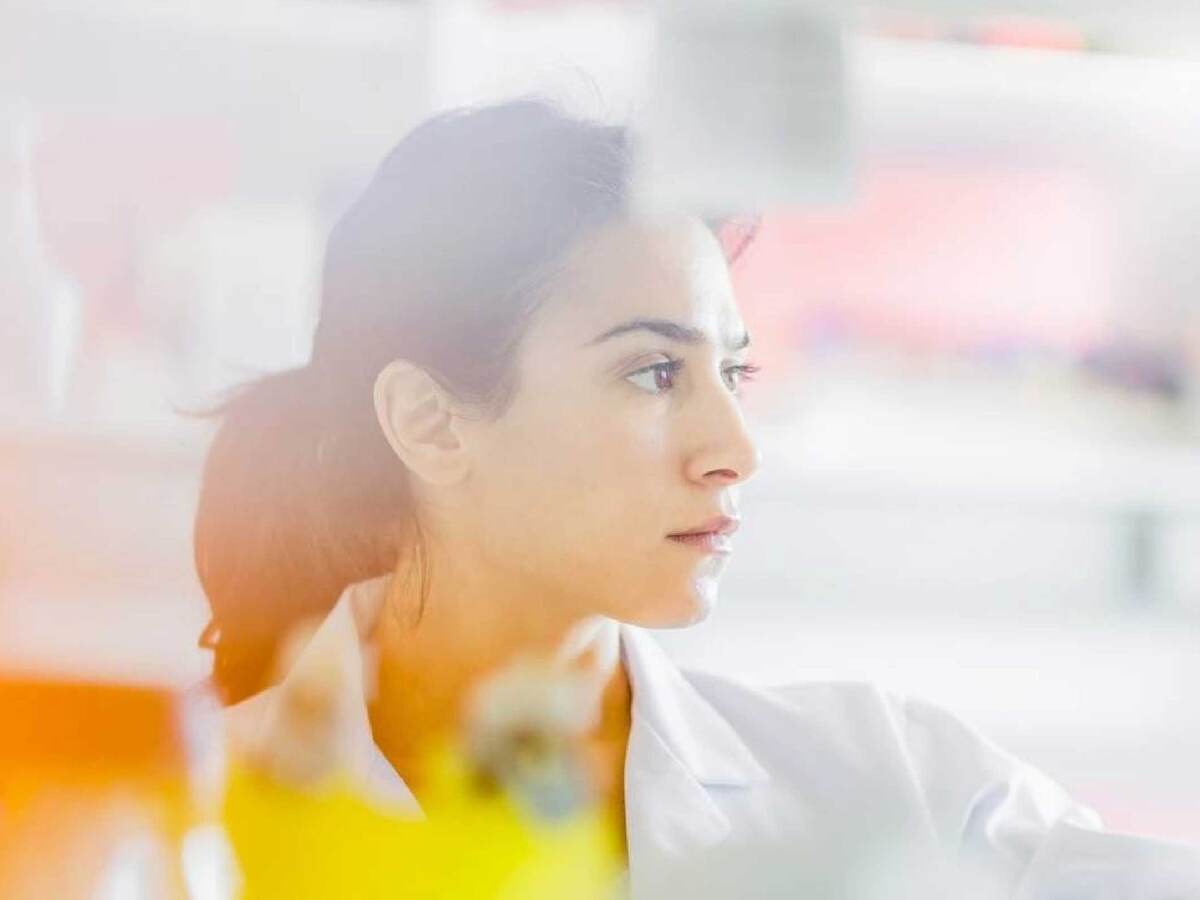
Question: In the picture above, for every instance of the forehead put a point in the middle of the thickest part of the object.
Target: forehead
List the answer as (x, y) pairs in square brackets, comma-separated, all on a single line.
[(671, 270)]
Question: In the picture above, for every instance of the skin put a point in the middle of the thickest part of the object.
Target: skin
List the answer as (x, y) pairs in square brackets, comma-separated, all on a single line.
[(559, 511)]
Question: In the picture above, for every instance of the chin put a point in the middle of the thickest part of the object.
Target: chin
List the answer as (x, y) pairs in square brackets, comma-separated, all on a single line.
[(691, 609), (701, 610)]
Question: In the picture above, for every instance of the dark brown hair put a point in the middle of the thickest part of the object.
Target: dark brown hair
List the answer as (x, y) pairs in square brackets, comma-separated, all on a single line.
[(442, 261)]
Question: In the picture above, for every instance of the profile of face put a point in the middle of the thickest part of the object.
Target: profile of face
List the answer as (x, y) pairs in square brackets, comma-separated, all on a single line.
[(626, 427)]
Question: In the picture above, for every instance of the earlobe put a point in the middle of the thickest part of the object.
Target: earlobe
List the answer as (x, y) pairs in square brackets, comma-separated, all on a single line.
[(414, 413)]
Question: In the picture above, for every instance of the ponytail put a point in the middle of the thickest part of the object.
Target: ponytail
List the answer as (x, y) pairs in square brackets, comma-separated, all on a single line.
[(286, 520)]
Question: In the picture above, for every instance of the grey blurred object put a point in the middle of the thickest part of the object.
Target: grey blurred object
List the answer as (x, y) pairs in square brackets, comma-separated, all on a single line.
[(747, 109), (42, 304), (526, 723), (523, 734)]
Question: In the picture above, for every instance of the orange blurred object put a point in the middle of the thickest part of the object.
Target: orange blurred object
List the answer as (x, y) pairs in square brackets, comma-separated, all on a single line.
[(95, 794)]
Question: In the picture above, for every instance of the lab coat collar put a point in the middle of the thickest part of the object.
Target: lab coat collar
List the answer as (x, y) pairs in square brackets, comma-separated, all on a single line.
[(686, 725), (679, 745), (683, 759)]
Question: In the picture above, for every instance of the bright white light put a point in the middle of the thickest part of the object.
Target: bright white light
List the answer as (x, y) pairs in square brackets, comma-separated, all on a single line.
[(209, 869)]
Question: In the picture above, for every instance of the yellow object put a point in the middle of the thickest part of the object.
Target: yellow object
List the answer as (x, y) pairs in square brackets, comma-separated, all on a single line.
[(329, 842)]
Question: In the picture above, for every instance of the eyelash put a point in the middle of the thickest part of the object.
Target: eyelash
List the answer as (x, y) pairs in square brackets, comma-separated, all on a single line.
[(746, 371)]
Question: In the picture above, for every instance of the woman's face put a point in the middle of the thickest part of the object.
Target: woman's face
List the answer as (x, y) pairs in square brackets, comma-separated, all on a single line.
[(621, 435)]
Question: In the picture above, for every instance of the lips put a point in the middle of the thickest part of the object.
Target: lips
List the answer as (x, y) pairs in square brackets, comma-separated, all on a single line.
[(708, 542), (721, 525)]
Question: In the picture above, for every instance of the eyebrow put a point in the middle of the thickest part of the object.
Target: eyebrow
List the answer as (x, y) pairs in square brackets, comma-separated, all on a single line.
[(674, 331)]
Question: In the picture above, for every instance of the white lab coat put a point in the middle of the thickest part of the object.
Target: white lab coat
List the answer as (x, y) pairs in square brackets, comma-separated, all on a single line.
[(816, 790)]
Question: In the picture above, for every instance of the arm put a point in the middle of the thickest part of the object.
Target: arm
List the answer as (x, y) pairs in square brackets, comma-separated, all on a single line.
[(1006, 822)]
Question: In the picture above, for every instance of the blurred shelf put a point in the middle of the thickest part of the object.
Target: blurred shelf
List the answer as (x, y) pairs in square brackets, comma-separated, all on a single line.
[(171, 442), (858, 433), (104, 631), (313, 22), (304, 91), (1055, 476), (1114, 13)]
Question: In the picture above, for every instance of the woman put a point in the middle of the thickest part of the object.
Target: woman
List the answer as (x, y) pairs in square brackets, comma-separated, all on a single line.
[(521, 416)]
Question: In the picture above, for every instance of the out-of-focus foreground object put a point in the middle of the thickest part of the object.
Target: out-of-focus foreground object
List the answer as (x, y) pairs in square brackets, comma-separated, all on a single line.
[(102, 787), (747, 109), (329, 841), (42, 302), (505, 811)]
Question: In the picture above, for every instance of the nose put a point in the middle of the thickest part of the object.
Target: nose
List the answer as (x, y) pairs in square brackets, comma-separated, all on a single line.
[(724, 452)]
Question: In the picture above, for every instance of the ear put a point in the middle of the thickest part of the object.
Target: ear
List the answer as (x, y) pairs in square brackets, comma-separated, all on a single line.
[(415, 415)]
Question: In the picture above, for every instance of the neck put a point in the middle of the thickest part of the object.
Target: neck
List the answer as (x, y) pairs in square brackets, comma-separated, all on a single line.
[(428, 665)]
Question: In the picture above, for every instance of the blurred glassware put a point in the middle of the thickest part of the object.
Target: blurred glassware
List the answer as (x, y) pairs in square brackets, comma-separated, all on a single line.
[(511, 794), (42, 303), (103, 787)]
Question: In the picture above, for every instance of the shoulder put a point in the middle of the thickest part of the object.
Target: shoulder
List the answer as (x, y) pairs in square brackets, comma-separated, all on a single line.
[(867, 707), (866, 720), (851, 732), (871, 727), (859, 710), (863, 730)]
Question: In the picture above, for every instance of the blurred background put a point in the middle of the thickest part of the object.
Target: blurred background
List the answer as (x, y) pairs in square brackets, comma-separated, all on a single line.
[(975, 296)]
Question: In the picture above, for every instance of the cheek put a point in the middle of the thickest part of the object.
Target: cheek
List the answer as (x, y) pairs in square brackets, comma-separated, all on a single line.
[(584, 509), (588, 488), (605, 479)]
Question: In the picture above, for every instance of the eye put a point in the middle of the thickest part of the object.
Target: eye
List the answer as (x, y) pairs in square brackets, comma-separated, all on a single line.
[(666, 371), (658, 373), (745, 372)]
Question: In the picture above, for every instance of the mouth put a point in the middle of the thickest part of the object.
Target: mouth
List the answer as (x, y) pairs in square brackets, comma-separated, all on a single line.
[(712, 536), (705, 541)]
